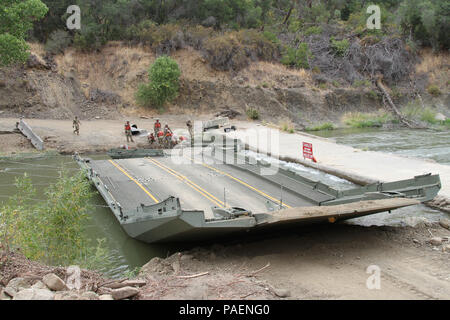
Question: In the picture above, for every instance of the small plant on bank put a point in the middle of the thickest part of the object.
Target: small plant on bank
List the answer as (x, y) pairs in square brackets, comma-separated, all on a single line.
[(434, 90), (298, 58), (340, 47), (287, 126), (366, 120), (321, 127), (164, 85), (252, 113)]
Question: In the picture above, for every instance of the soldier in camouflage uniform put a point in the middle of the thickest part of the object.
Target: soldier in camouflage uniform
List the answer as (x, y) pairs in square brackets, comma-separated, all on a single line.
[(76, 125)]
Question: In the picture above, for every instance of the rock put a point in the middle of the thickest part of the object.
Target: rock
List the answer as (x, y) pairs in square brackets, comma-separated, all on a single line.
[(34, 294), (3, 295), (10, 291), (106, 297), (186, 257), (446, 248), (445, 223), (124, 293), (18, 284), (66, 295), (435, 241), (126, 283), (209, 22), (53, 282), (39, 285), (440, 117), (416, 241), (282, 293), (89, 295)]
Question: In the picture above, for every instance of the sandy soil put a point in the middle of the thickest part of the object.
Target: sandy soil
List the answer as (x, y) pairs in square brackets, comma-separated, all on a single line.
[(95, 135), (330, 262)]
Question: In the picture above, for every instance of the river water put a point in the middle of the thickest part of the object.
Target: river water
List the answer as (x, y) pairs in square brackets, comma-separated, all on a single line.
[(126, 254)]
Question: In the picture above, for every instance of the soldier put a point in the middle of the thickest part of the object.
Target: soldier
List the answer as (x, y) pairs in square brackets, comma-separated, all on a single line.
[(128, 132), (157, 127), (160, 136), (168, 137), (190, 129), (76, 125), (151, 138)]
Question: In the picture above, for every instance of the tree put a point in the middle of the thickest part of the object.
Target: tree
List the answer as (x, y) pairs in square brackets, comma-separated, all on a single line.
[(16, 19), (164, 77)]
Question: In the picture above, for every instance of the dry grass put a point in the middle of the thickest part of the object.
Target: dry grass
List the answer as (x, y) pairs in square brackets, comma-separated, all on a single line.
[(268, 74), (436, 66)]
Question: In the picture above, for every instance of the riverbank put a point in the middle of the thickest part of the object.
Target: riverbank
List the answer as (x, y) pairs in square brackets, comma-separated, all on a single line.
[(320, 262)]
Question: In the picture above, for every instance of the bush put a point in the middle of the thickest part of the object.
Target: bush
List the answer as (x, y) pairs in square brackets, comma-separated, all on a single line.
[(252, 113), (340, 47), (90, 38), (52, 231), (321, 127), (164, 84), (366, 120), (59, 40), (434, 90), (428, 115), (314, 30), (298, 58)]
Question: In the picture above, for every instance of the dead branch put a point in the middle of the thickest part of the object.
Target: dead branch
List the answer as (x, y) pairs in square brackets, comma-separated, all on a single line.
[(259, 270), (193, 276)]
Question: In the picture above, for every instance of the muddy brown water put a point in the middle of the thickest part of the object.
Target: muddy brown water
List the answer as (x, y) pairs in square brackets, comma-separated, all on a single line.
[(126, 254)]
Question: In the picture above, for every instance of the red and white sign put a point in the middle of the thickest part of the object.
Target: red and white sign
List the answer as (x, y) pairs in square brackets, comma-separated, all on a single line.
[(308, 151)]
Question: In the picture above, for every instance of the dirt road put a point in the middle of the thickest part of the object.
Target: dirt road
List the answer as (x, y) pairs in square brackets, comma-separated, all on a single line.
[(330, 262)]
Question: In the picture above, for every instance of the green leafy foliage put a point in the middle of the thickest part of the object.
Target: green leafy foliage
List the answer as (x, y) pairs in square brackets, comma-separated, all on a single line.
[(16, 19), (51, 231), (298, 58), (164, 77), (340, 47)]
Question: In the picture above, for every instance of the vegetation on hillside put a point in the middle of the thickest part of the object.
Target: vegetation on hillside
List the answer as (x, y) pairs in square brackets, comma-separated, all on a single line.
[(164, 84)]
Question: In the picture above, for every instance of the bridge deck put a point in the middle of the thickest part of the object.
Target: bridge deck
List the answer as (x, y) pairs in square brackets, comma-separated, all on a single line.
[(198, 186)]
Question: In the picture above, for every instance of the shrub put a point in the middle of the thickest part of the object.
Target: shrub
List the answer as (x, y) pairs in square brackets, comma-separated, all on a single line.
[(314, 30), (321, 127), (428, 115), (51, 231), (297, 57), (252, 113), (164, 77), (287, 126), (59, 40), (366, 120), (434, 90), (340, 47)]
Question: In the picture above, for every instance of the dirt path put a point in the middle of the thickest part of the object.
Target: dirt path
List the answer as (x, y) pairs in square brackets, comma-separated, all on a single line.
[(330, 262), (95, 135)]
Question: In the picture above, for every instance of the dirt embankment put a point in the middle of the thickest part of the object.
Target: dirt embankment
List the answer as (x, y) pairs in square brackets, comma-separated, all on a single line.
[(320, 262), (103, 85)]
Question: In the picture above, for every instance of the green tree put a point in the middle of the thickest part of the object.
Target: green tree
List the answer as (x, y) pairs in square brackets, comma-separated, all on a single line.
[(16, 19), (164, 77)]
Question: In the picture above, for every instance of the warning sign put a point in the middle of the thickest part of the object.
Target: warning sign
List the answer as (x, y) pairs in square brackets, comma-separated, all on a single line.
[(308, 151)]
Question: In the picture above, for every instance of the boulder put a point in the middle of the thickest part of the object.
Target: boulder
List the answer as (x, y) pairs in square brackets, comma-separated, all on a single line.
[(106, 297), (4, 296), (66, 295), (89, 295), (10, 291), (282, 293), (34, 294), (126, 283), (124, 293), (445, 223), (39, 285), (18, 284), (435, 241), (53, 282), (446, 248), (440, 117)]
